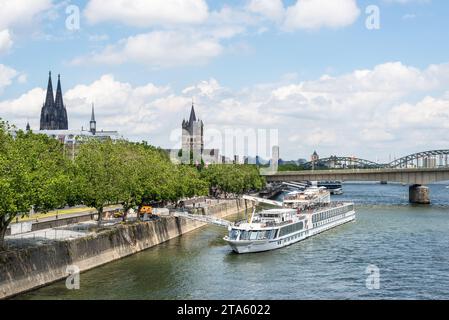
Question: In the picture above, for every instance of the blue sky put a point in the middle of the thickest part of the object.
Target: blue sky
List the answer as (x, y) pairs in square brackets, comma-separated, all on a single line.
[(246, 67)]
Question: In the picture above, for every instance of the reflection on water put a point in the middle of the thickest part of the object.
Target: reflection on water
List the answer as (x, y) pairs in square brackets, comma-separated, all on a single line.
[(408, 243)]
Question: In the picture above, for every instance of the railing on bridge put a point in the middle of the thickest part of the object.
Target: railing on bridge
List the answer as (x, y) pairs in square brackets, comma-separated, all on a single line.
[(205, 219)]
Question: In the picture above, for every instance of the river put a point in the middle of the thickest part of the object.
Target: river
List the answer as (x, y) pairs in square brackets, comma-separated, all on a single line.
[(407, 244)]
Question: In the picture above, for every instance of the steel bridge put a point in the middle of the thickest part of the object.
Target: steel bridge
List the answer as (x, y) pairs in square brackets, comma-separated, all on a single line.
[(416, 170), (341, 163), (425, 159)]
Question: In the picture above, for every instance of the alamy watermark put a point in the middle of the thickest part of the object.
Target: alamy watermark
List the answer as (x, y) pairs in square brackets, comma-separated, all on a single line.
[(372, 21), (73, 18), (73, 280), (229, 145), (72, 22), (372, 282)]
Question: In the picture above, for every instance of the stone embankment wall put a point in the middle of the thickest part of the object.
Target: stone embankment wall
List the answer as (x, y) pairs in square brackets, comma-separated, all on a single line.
[(30, 268)]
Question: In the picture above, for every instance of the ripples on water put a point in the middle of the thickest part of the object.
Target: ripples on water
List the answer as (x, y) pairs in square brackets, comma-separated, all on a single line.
[(409, 244)]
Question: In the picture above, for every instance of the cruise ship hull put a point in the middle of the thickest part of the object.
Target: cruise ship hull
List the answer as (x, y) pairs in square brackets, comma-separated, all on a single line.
[(251, 246)]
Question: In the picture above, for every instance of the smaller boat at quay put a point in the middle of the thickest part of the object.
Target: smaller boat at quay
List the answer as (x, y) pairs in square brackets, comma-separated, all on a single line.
[(303, 214), (334, 187)]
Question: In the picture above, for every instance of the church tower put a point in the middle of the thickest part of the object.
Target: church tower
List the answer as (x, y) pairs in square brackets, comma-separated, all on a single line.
[(54, 113), (193, 135), (61, 111)]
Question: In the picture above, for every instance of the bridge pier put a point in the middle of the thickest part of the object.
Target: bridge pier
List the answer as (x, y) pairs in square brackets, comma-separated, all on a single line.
[(419, 194)]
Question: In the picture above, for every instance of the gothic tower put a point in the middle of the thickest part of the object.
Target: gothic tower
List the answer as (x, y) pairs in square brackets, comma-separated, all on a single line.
[(193, 135), (53, 113)]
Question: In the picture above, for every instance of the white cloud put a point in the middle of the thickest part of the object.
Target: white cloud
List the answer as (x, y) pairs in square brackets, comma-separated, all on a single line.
[(18, 111), (7, 75), (5, 41), (315, 14), (271, 9), (23, 78), (158, 49), (208, 89), (407, 1), (429, 113), (18, 14), (144, 13), (198, 35), (21, 12)]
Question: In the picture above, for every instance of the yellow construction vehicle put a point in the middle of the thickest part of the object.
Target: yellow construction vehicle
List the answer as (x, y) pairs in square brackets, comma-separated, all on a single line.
[(145, 209)]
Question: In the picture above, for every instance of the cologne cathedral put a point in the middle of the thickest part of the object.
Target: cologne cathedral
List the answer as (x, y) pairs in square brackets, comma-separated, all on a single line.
[(54, 113)]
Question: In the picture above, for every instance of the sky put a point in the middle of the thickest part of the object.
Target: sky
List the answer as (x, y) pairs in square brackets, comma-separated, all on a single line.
[(365, 78)]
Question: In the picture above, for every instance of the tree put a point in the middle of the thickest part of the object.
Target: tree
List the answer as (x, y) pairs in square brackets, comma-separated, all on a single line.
[(237, 179), (189, 182), (33, 174), (131, 168), (98, 174)]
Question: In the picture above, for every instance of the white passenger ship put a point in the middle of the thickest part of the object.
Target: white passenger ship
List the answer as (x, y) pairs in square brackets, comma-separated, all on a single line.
[(303, 215)]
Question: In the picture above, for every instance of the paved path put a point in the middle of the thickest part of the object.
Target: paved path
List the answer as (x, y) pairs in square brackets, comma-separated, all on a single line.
[(83, 211)]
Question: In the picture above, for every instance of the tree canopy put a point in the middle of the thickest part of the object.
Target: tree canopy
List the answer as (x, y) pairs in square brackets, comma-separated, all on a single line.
[(34, 173)]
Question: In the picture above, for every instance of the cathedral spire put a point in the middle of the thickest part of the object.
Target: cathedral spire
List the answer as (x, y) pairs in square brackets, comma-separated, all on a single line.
[(49, 100), (60, 107), (59, 102)]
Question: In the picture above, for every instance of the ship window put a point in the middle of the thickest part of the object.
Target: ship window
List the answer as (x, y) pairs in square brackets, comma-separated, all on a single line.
[(268, 234), (244, 235), (253, 235), (261, 235), (233, 234)]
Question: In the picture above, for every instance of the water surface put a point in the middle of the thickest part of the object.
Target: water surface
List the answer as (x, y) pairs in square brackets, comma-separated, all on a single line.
[(408, 243)]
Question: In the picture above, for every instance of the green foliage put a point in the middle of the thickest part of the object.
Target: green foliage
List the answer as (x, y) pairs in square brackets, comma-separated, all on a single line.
[(237, 179), (33, 173), (97, 174), (290, 167)]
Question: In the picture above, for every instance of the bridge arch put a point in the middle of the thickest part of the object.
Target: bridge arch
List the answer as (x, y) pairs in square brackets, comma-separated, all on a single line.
[(424, 159), (335, 162)]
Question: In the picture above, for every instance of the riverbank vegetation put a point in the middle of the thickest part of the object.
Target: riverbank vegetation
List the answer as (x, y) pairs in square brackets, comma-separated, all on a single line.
[(35, 174)]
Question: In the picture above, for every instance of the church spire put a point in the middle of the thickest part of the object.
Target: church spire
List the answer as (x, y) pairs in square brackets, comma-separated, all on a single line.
[(192, 114), (47, 116), (49, 100), (60, 107), (59, 102), (93, 123), (92, 118)]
